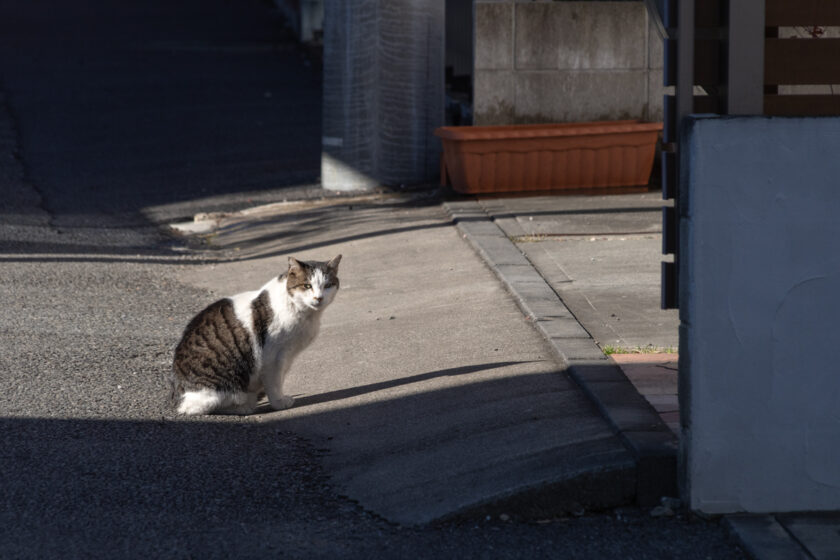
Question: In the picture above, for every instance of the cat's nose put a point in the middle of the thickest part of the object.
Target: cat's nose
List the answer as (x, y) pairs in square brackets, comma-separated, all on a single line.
[(318, 298)]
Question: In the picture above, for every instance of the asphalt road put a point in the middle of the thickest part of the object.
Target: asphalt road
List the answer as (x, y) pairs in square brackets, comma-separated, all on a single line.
[(113, 114)]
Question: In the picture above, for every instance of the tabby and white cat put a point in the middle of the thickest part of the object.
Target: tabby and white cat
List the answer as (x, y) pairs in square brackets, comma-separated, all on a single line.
[(241, 347)]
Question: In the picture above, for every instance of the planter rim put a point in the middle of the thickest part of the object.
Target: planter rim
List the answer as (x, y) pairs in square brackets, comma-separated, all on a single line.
[(545, 130)]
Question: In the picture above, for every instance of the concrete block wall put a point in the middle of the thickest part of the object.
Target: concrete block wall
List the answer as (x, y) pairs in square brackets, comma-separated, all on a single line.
[(549, 61), (759, 308), (383, 92)]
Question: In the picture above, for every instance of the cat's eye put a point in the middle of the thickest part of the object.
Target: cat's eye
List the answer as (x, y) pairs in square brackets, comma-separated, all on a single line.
[(307, 286), (330, 285)]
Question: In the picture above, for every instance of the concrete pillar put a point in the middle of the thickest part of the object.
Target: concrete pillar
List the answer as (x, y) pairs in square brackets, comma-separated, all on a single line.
[(383, 92)]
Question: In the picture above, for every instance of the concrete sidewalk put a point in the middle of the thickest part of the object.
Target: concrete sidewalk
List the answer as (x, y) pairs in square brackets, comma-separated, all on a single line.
[(600, 255), (566, 262), (434, 395)]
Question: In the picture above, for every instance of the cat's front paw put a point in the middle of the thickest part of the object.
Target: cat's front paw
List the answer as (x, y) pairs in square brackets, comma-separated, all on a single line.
[(282, 403)]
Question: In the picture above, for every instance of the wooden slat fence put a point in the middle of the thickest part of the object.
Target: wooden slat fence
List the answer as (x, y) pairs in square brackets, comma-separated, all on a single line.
[(801, 61)]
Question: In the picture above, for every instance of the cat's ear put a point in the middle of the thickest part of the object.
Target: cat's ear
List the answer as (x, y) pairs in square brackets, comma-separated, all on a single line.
[(294, 264), (333, 264)]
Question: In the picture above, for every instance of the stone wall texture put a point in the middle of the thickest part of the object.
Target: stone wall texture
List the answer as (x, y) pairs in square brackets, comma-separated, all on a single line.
[(549, 61), (383, 92)]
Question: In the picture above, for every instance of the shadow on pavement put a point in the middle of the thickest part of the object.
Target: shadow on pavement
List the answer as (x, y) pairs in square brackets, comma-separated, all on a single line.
[(122, 106), (342, 394), (89, 487)]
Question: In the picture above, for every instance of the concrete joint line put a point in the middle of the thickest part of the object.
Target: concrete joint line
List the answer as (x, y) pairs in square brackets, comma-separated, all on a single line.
[(532, 293)]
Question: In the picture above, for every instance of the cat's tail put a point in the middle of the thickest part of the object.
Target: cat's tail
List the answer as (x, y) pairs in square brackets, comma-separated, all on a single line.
[(209, 401), (201, 401)]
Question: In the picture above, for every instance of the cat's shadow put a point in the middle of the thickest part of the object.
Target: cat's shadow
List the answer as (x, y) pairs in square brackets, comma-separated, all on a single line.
[(264, 407)]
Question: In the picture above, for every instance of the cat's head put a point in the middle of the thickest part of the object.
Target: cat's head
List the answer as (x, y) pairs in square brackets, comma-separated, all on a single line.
[(312, 284)]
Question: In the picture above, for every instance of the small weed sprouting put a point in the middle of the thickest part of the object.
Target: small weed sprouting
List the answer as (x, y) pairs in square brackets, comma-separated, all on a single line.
[(649, 349)]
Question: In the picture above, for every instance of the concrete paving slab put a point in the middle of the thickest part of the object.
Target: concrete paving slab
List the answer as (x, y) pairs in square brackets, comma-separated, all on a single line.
[(579, 349), (613, 288), (519, 274), (597, 370), (630, 416), (562, 328), (544, 258), (652, 374), (613, 222), (792, 536), (430, 389), (818, 533), (625, 406), (510, 226), (573, 206), (602, 255), (495, 248), (764, 538), (664, 403), (537, 291)]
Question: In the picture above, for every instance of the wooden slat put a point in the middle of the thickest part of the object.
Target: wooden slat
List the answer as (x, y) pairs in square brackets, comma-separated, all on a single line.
[(707, 104), (801, 12), (708, 13), (771, 33), (669, 64), (802, 105), (707, 70), (801, 61)]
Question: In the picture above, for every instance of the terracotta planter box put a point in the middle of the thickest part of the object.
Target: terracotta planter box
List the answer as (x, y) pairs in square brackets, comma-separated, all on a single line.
[(488, 159)]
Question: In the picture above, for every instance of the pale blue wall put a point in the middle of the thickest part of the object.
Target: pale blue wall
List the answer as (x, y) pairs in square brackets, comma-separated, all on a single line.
[(760, 305)]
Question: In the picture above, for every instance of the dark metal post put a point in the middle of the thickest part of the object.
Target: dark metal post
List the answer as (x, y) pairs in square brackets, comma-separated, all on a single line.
[(745, 74), (685, 59)]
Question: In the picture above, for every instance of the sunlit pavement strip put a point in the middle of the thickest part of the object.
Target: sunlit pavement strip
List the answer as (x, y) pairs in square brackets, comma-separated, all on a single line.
[(431, 392)]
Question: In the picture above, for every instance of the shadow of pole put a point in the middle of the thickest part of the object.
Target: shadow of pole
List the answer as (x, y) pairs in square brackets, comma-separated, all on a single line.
[(330, 396)]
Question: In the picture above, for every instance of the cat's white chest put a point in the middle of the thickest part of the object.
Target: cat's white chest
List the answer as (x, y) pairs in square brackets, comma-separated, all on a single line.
[(296, 332), (289, 333)]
